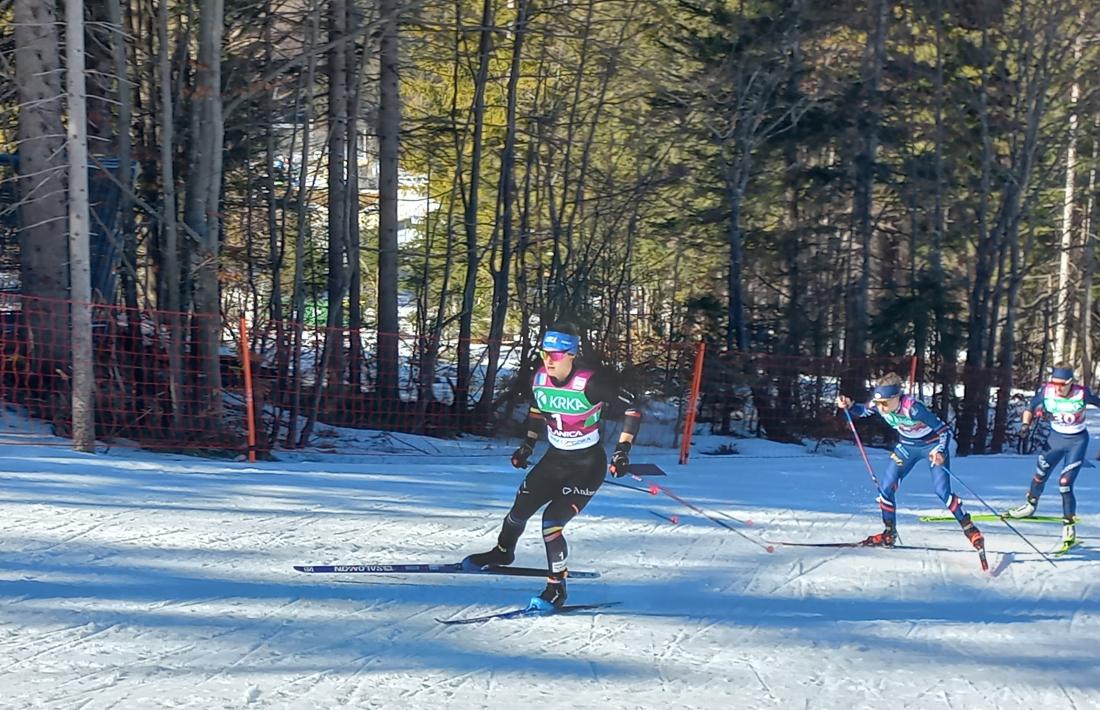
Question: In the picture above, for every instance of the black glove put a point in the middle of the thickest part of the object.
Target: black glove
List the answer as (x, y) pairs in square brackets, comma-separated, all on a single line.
[(520, 455), (1025, 429), (620, 460)]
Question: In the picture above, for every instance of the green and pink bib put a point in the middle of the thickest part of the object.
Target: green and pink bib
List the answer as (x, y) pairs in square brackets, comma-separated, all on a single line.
[(572, 421)]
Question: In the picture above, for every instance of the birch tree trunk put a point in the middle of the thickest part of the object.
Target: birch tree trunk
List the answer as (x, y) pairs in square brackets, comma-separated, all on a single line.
[(1065, 290)]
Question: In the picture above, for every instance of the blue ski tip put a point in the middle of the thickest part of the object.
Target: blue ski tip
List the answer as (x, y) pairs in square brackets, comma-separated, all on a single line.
[(526, 612)]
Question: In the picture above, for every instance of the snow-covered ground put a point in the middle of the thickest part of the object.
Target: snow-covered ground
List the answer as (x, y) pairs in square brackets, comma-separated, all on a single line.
[(131, 580)]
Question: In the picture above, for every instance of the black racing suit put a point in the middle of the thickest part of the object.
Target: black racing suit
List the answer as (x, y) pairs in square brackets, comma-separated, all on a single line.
[(564, 480)]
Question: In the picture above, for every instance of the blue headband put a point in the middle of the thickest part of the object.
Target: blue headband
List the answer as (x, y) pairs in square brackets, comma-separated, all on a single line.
[(560, 342), (886, 391), (1061, 374)]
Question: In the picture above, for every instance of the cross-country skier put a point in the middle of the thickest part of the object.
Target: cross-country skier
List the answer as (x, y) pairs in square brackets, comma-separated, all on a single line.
[(1064, 402), (569, 399), (921, 435)]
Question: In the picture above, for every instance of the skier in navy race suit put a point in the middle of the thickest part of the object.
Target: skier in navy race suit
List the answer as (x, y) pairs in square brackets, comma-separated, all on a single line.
[(921, 435)]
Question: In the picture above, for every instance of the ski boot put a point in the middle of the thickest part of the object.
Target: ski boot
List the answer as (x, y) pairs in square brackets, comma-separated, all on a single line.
[(1069, 537), (974, 535), (552, 598), (886, 538), (1022, 511), (496, 557)]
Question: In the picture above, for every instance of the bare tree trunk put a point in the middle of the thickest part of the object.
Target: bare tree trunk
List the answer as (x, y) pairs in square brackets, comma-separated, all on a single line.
[(1065, 291), (83, 369), (358, 61), (170, 266), (276, 236), (125, 94), (472, 205), (389, 127), (862, 199), (337, 192), (937, 187), (502, 274), (976, 393), (736, 178), (1089, 260), (299, 291), (203, 213), (43, 244)]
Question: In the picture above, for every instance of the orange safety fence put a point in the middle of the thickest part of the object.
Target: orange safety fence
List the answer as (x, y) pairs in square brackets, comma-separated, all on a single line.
[(193, 382)]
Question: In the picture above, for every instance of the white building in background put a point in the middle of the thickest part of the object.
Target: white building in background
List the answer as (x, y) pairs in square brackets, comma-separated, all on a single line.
[(414, 202)]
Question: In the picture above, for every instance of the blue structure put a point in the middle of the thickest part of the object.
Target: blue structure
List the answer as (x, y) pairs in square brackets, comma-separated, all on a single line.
[(104, 196)]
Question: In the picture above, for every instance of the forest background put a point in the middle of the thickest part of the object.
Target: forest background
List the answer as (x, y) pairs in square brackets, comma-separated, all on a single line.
[(402, 195)]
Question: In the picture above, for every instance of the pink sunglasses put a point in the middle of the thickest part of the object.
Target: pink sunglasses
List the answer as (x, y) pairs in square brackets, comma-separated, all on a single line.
[(554, 355)]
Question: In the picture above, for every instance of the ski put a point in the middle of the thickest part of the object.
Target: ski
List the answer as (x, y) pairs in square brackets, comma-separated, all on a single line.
[(860, 545), (525, 612), (992, 518), (1066, 547), (448, 568)]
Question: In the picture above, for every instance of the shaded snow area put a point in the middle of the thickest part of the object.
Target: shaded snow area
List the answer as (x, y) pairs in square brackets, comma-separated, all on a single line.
[(129, 580)]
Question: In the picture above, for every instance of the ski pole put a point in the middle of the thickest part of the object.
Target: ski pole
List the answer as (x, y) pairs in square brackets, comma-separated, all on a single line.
[(999, 516), (859, 445), (654, 489)]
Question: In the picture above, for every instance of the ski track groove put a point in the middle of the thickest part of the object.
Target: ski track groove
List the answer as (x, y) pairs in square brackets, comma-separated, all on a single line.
[(82, 533), (803, 571), (759, 679), (67, 645), (448, 684), (258, 625), (1072, 704), (356, 678)]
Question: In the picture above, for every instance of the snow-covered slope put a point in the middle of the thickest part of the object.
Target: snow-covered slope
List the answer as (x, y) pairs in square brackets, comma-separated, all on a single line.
[(137, 581)]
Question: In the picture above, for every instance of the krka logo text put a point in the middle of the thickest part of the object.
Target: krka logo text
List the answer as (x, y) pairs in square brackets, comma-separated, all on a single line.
[(570, 402)]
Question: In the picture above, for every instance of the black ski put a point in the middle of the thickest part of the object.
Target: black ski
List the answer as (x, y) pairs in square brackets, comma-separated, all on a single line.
[(447, 568)]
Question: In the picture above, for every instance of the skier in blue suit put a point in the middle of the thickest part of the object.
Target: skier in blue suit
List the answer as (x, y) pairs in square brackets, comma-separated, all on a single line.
[(1064, 402), (921, 435)]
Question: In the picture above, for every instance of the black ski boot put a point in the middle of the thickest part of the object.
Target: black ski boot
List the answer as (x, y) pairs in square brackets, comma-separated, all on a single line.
[(552, 598), (496, 557)]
